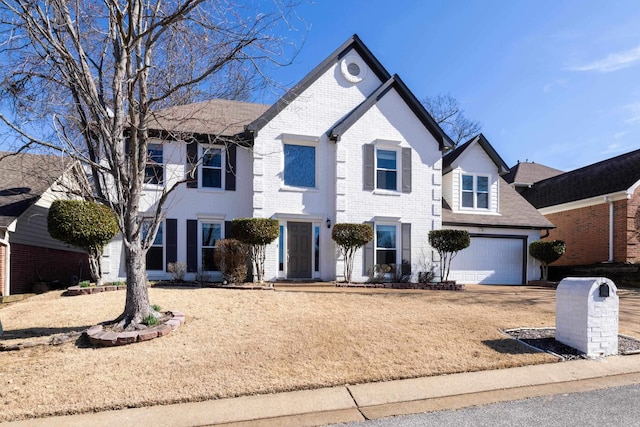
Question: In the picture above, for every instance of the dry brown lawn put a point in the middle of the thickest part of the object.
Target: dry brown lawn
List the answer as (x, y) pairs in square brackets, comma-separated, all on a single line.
[(247, 342)]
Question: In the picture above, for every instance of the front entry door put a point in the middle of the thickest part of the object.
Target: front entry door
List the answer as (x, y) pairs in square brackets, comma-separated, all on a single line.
[(299, 250)]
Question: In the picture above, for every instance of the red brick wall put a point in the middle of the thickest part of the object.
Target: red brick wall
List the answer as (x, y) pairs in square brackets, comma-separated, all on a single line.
[(2, 269), (633, 244), (585, 232), (31, 264)]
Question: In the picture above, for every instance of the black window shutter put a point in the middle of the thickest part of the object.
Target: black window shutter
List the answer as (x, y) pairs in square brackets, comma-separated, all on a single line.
[(228, 230), (172, 240), (192, 167), (231, 168), (369, 169), (406, 248), (192, 245), (406, 170), (368, 255)]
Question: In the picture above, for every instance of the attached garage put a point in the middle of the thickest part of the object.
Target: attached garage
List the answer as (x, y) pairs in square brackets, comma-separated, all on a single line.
[(492, 260)]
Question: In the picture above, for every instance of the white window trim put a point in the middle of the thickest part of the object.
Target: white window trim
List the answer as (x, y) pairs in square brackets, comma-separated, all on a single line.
[(302, 141), (200, 245), (475, 192), (163, 245), (398, 249), (223, 159), (151, 186), (398, 150)]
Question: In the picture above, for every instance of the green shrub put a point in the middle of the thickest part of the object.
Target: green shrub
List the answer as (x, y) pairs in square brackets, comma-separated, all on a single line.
[(257, 233), (231, 258), (448, 243), (84, 284), (349, 238), (86, 225), (156, 307), (150, 320), (547, 251)]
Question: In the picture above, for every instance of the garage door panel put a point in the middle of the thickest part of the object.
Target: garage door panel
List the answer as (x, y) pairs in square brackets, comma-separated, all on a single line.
[(489, 261)]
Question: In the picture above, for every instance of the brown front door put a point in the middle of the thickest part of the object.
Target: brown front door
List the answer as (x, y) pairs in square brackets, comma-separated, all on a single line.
[(299, 250)]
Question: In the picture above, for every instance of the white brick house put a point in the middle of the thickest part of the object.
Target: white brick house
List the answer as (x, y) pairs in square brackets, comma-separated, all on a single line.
[(349, 143)]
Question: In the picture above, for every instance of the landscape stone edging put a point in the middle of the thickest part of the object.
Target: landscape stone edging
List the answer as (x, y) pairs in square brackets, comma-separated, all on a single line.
[(98, 336), (430, 286), (77, 290)]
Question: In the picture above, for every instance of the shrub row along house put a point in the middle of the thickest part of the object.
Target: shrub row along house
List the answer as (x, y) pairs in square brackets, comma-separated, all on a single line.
[(350, 143)]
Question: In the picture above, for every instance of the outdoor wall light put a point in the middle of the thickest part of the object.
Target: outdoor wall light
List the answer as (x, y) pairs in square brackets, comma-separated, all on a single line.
[(328, 223)]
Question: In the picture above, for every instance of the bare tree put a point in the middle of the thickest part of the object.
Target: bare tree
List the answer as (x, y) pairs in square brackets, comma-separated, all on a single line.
[(446, 110), (94, 71)]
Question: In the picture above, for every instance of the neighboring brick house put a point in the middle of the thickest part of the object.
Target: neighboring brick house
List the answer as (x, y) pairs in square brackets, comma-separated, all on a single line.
[(594, 209), (28, 254), (349, 143)]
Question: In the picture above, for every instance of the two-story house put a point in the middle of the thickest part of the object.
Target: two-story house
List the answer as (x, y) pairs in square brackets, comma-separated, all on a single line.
[(349, 143)]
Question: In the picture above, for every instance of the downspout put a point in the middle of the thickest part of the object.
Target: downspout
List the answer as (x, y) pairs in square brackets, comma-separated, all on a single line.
[(7, 263), (610, 202)]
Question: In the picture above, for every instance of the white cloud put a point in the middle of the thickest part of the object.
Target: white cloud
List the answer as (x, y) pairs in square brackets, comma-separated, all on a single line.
[(613, 62), (634, 110)]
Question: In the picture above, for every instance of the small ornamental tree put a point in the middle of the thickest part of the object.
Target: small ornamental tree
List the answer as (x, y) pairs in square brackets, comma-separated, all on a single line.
[(86, 225), (547, 251), (257, 233), (448, 243), (349, 238)]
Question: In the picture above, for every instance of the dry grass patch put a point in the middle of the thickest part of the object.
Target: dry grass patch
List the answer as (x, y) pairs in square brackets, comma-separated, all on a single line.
[(246, 342)]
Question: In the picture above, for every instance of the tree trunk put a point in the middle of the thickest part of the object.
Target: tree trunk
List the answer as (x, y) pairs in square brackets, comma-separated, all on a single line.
[(137, 305), (95, 266)]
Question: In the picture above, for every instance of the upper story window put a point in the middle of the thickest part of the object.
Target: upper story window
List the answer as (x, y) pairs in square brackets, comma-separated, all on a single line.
[(212, 168), (475, 192), (154, 170), (386, 170), (300, 165), (386, 167)]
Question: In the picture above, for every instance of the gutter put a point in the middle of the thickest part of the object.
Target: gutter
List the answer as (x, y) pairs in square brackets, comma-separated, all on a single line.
[(608, 200), (7, 263)]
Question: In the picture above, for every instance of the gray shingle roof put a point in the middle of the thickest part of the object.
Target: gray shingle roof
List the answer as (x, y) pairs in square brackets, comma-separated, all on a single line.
[(214, 117), (23, 179), (529, 173), (599, 179), (451, 156), (515, 212)]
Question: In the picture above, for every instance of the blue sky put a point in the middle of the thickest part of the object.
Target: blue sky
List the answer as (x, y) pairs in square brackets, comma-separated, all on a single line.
[(555, 82)]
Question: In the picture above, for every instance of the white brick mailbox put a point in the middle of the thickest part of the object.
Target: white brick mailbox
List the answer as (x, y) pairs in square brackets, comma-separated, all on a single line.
[(587, 315)]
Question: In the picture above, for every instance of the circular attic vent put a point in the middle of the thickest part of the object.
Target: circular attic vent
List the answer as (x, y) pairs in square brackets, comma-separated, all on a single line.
[(353, 69)]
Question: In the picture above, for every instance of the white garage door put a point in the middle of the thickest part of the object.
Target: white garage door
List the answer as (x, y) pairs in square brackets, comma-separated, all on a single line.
[(492, 261)]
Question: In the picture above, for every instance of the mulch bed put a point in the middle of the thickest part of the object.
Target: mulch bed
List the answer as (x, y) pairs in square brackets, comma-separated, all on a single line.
[(544, 340)]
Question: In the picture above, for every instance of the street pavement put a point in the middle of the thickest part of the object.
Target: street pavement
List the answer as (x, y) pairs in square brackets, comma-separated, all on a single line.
[(616, 406)]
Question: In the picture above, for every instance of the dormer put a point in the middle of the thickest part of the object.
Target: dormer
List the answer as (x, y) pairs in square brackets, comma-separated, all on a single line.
[(471, 175)]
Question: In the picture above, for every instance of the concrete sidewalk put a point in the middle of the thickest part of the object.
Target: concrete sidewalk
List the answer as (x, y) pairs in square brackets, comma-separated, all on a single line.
[(374, 400)]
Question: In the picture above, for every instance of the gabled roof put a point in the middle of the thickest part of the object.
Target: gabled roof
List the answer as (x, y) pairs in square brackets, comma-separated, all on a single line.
[(599, 179), (480, 139), (527, 173), (515, 212), (23, 179), (353, 42), (215, 117), (409, 98)]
